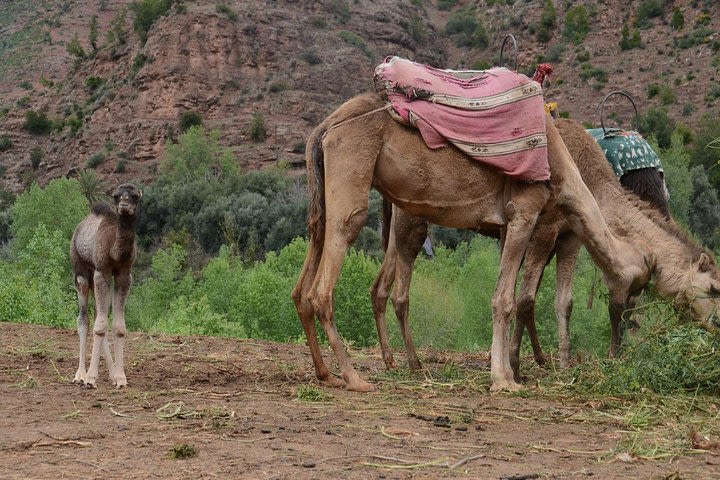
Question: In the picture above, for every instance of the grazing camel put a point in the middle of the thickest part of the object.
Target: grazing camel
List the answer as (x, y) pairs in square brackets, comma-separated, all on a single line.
[(360, 146), (682, 270), (102, 249)]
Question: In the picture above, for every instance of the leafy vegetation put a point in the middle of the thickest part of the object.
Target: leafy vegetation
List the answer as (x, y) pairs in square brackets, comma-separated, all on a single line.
[(190, 118), (227, 11), (355, 40), (577, 24), (36, 156), (548, 21), (146, 13), (466, 30), (258, 132), (37, 122)]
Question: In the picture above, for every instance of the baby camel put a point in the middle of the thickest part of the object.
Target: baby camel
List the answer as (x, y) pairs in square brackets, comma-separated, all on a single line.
[(103, 247)]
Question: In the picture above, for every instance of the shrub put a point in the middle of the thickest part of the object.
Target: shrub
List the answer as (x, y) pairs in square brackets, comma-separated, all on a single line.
[(37, 122), (416, 28), (647, 10), (277, 87), (627, 41), (188, 119), (75, 49), (548, 21), (587, 71), (258, 133), (678, 20), (93, 82), (657, 122), (93, 34), (120, 166), (577, 24), (355, 40), (59, 206), (310, 56), (5, 143), (116, 35), (36, 156), (465, 29), (25, 85), (95, 160), (146, 13), (227, 11), (340, 10), (446, 4), (653, 89), (667, 96)]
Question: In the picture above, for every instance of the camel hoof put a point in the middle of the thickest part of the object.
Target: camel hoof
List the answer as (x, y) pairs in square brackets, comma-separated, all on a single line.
[(120, 382), (540, 360), (505, 386), (333, 382), (415, 366), (79, 378), (361, 386)]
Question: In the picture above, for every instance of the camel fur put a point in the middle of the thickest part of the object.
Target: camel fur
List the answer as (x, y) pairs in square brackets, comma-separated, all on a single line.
[(103, 249), (359, 146), (683, 271)]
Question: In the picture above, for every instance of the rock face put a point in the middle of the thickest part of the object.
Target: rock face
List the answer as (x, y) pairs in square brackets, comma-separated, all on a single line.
[(292, 62)]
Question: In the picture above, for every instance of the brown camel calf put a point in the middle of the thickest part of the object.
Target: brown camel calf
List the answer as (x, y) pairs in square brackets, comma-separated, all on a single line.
[(102, 249)]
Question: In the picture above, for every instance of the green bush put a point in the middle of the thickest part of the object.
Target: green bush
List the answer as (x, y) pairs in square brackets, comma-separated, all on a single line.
[(340, 10), (466, 30), (146, 13), (678, 20), (93, 82), (577, 24), (647, 10), (188, 119), (258, 132), (548, 21), (95, 160), (75, 49), (36, 156), (37, 122), (311, 57), (628, 41), (656, 122), (59, 206), (355, 40), (5, 143), (227, 11)]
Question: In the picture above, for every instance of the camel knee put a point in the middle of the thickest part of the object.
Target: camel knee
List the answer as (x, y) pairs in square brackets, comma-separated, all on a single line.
[(502, 306), (119, 331), (525, 307), (321, 303), (401, 303)]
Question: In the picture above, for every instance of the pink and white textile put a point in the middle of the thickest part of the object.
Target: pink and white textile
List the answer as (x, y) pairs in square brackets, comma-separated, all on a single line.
[(495, 116)]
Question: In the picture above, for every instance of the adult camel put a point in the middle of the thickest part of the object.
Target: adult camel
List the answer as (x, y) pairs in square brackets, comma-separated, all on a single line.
[(683, 270), (360, 146)]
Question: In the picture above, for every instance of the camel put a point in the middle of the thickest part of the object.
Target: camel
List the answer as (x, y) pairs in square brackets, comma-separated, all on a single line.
[(679, 265), (102, 249), (360, 146)]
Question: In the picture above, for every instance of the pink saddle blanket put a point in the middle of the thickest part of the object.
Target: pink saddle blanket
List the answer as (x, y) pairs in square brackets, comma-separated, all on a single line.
[(495, 116)]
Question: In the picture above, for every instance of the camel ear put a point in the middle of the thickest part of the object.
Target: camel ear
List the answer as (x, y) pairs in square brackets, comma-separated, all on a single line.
[(140, 193), (704, 262)]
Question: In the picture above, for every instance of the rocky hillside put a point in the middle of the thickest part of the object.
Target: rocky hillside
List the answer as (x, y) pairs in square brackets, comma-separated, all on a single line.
[(286, 64)]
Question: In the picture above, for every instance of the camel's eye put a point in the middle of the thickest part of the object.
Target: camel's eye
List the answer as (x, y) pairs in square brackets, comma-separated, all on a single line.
[(714, 290)]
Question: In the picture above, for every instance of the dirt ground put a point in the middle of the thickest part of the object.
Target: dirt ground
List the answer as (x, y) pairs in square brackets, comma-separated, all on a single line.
[(199, 407)]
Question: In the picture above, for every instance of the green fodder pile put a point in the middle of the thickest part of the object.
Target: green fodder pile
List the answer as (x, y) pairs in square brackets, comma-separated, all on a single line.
[(666, 359)]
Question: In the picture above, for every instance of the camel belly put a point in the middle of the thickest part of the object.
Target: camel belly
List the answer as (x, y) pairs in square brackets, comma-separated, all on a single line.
[(442, 186), (84, 237)]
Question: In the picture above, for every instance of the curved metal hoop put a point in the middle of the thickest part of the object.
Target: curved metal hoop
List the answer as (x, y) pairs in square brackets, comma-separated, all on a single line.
[(502, 49), (602, 109)]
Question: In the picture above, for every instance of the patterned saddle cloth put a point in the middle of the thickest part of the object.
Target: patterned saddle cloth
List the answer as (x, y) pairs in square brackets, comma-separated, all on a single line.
[(626, 150), (495, 116)]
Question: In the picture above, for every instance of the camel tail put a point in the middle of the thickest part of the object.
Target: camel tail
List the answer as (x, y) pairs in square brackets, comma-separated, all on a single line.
[(386, 218), (314, 158)]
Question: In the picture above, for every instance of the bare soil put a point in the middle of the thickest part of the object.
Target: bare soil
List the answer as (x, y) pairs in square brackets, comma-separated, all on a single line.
[(242, 407)]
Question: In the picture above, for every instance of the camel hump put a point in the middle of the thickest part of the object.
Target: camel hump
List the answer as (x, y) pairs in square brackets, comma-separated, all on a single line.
[(103, 209)]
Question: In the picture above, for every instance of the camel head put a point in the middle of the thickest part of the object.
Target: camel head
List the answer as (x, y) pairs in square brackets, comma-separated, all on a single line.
[(701, 293), (127, 199)]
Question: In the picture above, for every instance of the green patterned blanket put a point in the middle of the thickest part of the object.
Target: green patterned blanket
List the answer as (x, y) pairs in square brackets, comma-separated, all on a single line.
[(625, 150)]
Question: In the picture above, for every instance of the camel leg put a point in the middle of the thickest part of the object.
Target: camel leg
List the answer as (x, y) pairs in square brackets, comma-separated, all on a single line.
[(306, 313), (616, 307), (122, 287), (522, 213), (567, 250), (536, 258), (82, 289), (102, 307), (379, 297), (414, 231)]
